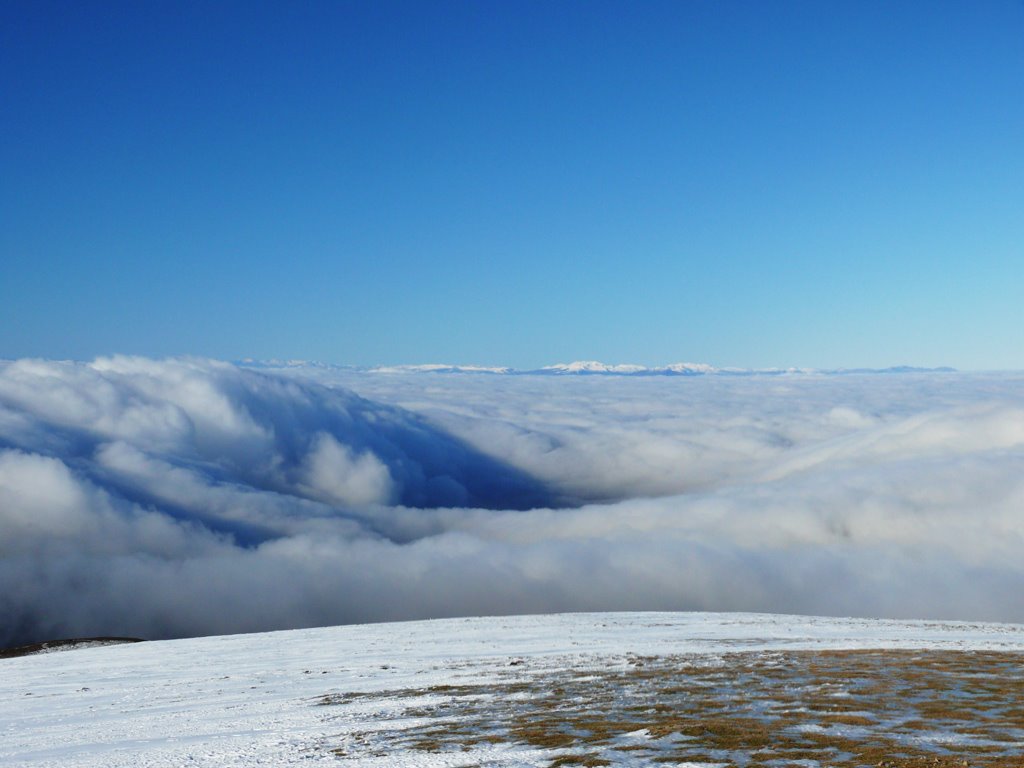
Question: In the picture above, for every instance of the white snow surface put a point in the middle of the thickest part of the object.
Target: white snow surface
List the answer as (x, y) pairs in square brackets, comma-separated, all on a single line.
[(592, 366), (440, 368), (589, 367), (243, 700)]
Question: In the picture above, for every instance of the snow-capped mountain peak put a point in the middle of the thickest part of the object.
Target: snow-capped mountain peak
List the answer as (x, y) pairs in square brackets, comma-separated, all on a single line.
[(587, 368), (593, 366), (440, 368)]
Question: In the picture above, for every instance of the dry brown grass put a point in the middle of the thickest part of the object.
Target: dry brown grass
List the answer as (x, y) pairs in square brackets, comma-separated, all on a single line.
[(845, 709)]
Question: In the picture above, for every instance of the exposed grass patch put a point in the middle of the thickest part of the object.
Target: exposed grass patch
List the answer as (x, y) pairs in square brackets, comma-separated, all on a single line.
[(64, 645), (844, 709)]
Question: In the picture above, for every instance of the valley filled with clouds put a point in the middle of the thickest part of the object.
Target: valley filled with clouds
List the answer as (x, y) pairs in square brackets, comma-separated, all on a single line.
[(178, 497)]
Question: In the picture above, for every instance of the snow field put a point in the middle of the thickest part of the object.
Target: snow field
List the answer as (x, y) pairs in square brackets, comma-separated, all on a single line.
[(360, 695)]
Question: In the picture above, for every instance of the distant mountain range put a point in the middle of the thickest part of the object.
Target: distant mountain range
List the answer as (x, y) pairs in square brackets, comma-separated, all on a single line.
[(591, 368)]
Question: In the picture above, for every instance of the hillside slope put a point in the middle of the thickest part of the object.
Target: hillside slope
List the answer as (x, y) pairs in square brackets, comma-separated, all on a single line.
[(532, 690)]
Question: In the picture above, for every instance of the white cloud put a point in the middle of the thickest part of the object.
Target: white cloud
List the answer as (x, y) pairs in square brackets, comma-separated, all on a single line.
[(177, 497), (40, 499), (335, 474)]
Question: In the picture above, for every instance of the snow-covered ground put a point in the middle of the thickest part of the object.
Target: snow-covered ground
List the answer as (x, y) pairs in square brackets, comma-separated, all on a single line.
[(375, 694)]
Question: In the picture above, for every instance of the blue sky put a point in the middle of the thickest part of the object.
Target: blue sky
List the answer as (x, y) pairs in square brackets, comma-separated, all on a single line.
[(752, 184)]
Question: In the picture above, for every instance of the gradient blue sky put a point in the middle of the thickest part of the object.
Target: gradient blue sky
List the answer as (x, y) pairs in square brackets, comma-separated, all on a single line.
[(740, 183)]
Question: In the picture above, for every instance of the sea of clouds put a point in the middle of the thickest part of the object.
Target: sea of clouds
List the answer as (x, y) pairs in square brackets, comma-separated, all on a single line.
[(167, 498)]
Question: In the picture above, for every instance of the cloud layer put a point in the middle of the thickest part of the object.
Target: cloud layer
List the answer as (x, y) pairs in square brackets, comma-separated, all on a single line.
[(182, 497)]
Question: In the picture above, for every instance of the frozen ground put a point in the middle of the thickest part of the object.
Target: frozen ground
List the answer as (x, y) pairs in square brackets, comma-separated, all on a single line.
[(632, 689)]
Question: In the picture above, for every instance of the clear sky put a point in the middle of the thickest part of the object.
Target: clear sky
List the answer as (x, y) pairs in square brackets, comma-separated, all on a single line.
[(522, 183)]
